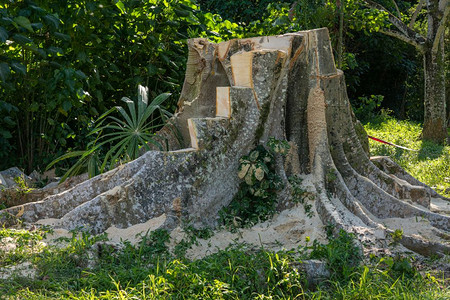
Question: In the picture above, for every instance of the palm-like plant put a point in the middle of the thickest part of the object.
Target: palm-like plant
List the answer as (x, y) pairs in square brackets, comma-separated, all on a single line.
[(136, 130), (124, 136)]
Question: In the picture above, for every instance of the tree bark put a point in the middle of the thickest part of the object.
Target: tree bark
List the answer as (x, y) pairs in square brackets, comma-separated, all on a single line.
[(286, 87), (435, 125)]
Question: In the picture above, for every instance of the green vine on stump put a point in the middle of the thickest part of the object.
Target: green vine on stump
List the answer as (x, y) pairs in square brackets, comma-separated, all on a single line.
[(257, 196)]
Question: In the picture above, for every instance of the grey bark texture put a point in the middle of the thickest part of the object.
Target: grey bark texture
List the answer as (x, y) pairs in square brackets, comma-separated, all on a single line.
[(236, 95), (435, 124)]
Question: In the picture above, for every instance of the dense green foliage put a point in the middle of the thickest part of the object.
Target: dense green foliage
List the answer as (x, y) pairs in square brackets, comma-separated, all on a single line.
[(374, 64), (64, 63), (245, 11), (121, 139), (257, 196), (81, 269)]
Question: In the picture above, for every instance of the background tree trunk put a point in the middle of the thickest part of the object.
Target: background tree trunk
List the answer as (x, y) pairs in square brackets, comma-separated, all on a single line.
[(340, 5), (435, 125), (432, 48), (435, 121)]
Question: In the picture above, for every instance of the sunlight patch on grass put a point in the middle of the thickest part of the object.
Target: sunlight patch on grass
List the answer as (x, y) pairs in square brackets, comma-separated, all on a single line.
[(430, 163)]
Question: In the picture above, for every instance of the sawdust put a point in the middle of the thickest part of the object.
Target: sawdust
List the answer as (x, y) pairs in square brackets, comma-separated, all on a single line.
[(24, 270), (440, 206), (134, 233), (7, 244), (413, 227), (419, 226), (285, 231)]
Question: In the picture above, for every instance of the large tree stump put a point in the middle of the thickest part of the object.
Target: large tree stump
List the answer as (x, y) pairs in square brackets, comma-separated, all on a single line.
[(236, 95)]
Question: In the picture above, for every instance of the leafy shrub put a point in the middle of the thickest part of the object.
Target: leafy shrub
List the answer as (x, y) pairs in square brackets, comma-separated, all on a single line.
[(257, 195), (341, 253), (366, 108), (122, 138), (244, 11), (7, 111), (66, 62)]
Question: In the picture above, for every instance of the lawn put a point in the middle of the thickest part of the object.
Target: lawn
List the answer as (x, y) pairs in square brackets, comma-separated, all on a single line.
[(87, 267), (430, 163)]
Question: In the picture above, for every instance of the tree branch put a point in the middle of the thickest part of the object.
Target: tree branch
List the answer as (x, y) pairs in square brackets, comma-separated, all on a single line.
[(441, 27), (408, 35), (399, 14), (404, 38), (416, 13)]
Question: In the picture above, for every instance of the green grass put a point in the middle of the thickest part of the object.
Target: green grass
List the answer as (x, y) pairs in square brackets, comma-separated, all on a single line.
[(149, 271), (430, 163), (80, 269)]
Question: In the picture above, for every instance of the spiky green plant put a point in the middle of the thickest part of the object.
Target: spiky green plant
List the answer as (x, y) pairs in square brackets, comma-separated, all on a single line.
[(136, 130), (124, 136)]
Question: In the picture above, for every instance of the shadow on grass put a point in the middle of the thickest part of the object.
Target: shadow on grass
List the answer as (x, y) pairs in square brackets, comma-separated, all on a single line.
[(376, 123), (430, 150)]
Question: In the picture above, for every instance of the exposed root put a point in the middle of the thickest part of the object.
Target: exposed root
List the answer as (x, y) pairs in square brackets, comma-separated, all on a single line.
[(287, 87)]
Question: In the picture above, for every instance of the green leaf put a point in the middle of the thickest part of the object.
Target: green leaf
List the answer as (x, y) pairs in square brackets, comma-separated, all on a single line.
[(181, 12), (34, 106), (21, 39), (6, 134), (92, 166), (3, 34), (4, 71), (24, 22), (67, 105), (62, 36), (164, 58), (185, 7), (65, 156), (62, 111), (243, 168), (254, 155), (152, 107), (152, 70), (9, 121), (37, 26), (93, 111), (132, 122), (80, 74), (172, 23), (99, 95), (55, 50), (37, 8), (41, 52), (19, 68), (121, 6), (52, 20)]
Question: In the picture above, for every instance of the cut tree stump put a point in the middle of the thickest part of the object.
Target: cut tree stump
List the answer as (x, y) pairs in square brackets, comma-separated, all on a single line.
[(236, 95)]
